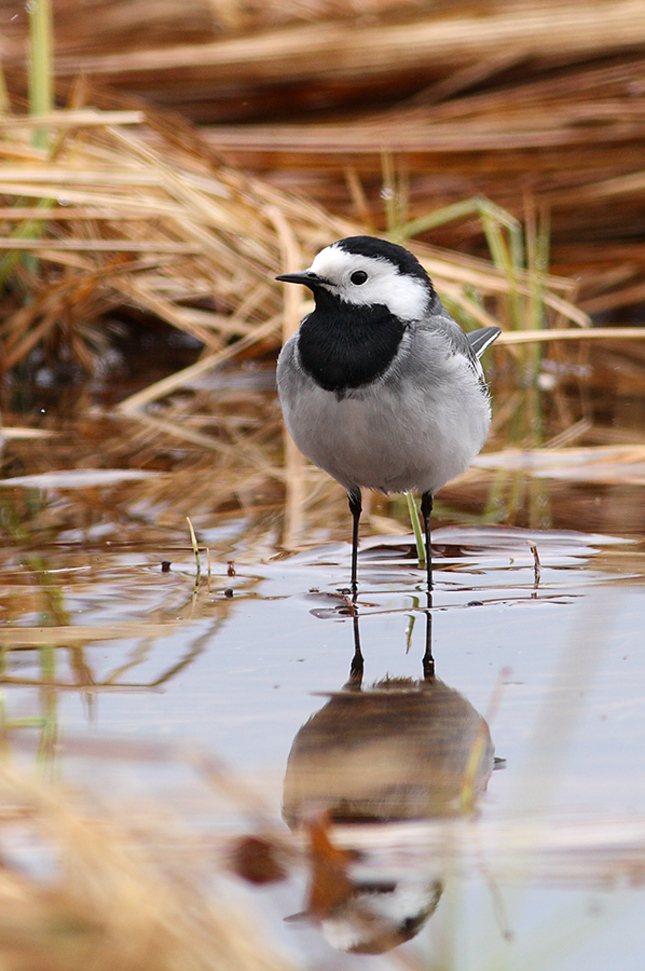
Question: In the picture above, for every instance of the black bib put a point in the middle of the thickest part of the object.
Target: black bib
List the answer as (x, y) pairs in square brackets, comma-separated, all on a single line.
[(343, 346)]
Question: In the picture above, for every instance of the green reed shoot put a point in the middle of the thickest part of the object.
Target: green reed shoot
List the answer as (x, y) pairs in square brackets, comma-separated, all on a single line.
[(41, 101), (41, 32), (193, 540), (416, 526)]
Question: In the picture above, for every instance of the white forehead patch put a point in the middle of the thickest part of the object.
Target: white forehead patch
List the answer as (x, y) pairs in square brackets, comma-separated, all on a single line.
[(405, 296)]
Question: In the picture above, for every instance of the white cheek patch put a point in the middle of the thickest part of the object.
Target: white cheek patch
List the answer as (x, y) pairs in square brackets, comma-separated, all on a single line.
[(404, 296)]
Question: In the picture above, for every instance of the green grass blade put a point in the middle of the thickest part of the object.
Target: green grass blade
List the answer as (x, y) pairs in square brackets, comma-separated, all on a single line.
[(41, 30), (416, 526)]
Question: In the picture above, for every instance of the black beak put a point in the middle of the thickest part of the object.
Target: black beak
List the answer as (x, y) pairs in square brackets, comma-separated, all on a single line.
[(306, 278)]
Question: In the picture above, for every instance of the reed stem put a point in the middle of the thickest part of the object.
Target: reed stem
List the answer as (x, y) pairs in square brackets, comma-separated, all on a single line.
[(41, 33)]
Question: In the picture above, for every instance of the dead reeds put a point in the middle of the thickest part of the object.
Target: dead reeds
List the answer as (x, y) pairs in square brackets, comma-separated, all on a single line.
[(515, 148), (132, 211), (105, 896), (499, 99), (114, 220), (120, 214)]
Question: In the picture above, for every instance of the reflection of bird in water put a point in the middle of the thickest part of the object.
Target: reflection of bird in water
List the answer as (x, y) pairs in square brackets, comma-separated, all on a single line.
[(360, 916), (401, 750)]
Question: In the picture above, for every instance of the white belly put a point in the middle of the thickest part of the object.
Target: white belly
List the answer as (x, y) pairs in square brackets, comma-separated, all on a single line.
[(386, 440)]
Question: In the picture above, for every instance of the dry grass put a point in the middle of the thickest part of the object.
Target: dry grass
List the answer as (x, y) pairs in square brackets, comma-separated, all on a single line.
[(133, 211), (308, 41), (125, 211), (134, 24), (502, 99), (107, 897), (116, 221)]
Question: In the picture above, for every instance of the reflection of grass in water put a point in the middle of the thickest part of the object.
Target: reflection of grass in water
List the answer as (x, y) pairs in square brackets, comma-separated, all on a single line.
[(52, 613), (53, 633)]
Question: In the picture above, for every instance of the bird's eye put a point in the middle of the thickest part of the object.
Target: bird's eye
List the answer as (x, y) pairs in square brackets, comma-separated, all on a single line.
[(358, 277)]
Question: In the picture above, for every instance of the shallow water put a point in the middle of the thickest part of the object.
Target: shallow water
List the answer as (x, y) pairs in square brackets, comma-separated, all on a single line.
[(486, 799), (123, 672)]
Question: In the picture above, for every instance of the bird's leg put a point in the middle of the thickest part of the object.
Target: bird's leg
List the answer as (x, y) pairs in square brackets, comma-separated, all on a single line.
[(355, 507), (426, 512), (358, 664), (428, 658)]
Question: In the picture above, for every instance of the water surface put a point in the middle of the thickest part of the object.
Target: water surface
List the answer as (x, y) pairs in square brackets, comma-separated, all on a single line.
[(163, 692)]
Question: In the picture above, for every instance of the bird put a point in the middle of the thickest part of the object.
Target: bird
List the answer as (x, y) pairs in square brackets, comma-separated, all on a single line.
[(380, 387)]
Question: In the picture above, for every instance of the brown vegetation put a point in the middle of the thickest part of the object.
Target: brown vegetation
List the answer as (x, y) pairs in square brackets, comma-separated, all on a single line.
[(502, 142), (505, 99)]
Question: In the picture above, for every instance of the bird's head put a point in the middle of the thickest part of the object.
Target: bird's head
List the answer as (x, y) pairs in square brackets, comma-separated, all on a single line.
[(364, 271)]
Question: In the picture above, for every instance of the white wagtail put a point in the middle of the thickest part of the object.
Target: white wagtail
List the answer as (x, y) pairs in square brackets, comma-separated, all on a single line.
[(380, 387)]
